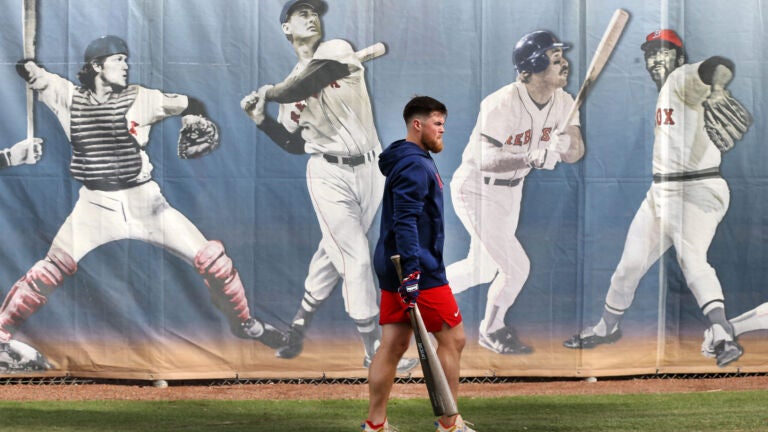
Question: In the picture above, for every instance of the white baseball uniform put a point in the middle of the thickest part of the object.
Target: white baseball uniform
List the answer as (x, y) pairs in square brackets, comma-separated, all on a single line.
[(686, 201), (343, 179), (487, 197), (138, 212)]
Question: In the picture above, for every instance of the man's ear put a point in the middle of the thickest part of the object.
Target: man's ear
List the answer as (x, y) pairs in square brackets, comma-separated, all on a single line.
[(417, 124), (286, 29)]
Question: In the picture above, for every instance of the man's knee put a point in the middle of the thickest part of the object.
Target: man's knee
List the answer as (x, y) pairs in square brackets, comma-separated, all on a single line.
[(31, 292), (48, 273), (452, 338), (396, 338), (212, 261)]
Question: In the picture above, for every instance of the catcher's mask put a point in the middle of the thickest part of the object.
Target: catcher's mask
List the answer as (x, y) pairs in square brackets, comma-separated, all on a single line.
[(530, 54), (105, 46)]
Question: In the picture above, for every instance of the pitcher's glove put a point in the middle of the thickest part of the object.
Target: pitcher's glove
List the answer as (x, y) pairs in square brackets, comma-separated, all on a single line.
[(725, 119), (198, 136)]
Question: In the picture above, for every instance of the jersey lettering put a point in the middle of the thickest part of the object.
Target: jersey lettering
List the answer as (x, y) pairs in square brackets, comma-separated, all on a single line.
[(545, 133), (524, 138), (664, 116), (296, 115), (132, 130), (333, 84)]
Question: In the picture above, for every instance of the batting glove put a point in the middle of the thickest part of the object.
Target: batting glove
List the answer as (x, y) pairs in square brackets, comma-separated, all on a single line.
[(560, 143), (543, 159), (409, 289)]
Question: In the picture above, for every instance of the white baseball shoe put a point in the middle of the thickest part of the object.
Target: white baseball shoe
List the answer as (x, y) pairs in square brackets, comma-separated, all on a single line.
[(18, 357), (591, 337), (404, 365), (458, 426), (719, 344), (504, 341)]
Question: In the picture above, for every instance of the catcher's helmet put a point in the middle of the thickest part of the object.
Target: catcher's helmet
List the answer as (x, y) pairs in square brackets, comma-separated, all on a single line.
[(530, 54), (105, 46)]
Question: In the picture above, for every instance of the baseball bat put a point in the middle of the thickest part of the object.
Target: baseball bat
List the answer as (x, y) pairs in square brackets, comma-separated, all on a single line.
[(440, 395), (29, 36), (368, 53), (600, 58)]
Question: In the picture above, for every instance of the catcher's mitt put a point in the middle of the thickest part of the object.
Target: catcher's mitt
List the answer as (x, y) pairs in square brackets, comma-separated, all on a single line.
[(198, 136), (725, 120)]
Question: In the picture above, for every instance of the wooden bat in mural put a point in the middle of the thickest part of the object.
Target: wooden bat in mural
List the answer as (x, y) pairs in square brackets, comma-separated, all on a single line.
[(369, 53), (602, 53), (29, 36)]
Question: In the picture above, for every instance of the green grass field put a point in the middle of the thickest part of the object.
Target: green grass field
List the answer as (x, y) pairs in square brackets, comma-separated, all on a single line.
[(706, 411)]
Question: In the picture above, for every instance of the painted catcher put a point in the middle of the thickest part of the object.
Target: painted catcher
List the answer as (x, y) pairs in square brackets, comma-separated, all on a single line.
[(696, 122), (108, 122)]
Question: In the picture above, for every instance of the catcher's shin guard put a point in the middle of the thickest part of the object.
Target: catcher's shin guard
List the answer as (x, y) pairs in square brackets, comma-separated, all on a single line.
[(223, 283), (31, 292)]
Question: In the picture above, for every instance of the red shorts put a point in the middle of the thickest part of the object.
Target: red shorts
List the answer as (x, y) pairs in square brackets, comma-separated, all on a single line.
[(437, 306)]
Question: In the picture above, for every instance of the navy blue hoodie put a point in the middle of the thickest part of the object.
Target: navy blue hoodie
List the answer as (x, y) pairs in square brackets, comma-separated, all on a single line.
[(411, 217)]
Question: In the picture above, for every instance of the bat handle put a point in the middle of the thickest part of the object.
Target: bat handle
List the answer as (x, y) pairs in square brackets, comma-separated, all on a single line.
[(398, 267), (250, 105), (30, 114)]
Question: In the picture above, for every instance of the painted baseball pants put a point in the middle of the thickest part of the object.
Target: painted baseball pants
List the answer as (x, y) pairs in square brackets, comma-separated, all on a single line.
[(139, 213), (680, 214), (490, 213), (346, 200)]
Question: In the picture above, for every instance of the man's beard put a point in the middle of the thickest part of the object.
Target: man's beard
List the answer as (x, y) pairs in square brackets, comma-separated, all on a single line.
[(434, 145)]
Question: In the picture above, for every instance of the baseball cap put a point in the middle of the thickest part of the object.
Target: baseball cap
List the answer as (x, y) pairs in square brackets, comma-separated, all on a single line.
[(105, 46), (662, 37), (318, 5)]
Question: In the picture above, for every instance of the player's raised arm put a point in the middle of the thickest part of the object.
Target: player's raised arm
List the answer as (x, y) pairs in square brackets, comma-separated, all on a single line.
[(316, 76), (254, 105)]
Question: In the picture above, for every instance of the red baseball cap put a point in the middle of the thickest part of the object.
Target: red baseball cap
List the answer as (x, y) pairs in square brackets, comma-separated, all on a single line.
[(662, 37)]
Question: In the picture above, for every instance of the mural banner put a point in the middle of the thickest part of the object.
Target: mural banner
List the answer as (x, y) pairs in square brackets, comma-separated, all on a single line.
[(191, 188)]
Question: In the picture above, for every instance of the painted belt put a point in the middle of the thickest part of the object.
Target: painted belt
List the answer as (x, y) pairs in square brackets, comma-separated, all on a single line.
[(686, 176), (501, 182), (351, 161)]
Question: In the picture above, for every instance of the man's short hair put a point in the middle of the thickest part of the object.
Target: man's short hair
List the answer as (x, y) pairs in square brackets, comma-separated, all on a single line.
[(87, 74), (422, 106)]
